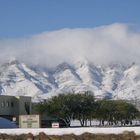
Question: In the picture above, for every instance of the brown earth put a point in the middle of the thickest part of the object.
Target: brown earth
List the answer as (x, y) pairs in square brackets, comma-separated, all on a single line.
[(86, 136)]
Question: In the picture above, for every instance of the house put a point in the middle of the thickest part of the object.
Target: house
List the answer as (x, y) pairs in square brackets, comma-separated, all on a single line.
[(13, 106)]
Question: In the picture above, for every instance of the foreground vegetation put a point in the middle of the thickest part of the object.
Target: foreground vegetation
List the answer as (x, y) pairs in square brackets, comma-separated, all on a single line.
[(84, 107)]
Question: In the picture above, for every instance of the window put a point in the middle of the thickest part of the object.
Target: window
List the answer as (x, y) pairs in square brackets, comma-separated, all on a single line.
[(12, 104), (2, 104), (7, 104)]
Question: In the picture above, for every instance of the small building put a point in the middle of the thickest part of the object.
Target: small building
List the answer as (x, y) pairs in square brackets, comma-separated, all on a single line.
[(13, 106)]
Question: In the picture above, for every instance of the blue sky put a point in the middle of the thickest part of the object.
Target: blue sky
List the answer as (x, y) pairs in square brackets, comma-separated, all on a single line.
[(22, 18)]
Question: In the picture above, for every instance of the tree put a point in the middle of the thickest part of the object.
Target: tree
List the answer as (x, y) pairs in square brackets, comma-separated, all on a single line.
[(114, 111), (85, 107), (105, 111), (69, 106), (125, 112), (40, 107)]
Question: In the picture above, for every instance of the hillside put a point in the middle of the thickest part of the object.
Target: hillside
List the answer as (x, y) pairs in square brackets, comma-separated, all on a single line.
[(105, 81)]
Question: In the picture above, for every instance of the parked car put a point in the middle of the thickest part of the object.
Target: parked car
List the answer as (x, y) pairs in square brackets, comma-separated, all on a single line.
[(5, 123)]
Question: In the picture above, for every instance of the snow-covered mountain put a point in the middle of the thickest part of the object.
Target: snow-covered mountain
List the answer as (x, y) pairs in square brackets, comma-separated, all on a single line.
[(105, 81)]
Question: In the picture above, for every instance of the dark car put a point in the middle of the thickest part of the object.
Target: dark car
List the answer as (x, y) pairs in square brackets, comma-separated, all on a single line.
[(47, 123), (5, 123)]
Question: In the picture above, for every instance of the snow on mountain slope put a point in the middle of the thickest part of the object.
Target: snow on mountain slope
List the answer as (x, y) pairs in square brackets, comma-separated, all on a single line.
[(66, 77), (112, 74), (91, 77), (89, 74), (129, 86), (18, 79), (110, 81)]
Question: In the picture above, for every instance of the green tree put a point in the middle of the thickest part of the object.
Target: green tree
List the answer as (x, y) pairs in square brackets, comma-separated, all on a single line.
[(125, 112), (85, 107), (115, 111), (69, 106), (105, 111)]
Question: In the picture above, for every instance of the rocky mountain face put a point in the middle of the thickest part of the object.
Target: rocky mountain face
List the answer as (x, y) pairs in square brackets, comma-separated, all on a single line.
[(105, 81)]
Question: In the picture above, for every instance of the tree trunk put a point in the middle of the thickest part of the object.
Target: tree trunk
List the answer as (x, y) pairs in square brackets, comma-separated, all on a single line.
[(90, 122)]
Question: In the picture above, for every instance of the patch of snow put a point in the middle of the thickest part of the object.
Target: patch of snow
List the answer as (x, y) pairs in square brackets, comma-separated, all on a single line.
[(76, 131)]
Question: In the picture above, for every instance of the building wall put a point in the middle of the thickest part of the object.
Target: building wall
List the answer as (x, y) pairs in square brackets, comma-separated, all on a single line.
[(24, 105), (7, 105), (14, 106)]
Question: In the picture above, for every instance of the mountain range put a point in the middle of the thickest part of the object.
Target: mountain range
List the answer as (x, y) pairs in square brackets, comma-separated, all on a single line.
[(115, 80)]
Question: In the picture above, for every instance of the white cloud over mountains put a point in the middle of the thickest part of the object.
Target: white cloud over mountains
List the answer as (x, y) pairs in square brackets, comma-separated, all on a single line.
[(101, 45)]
